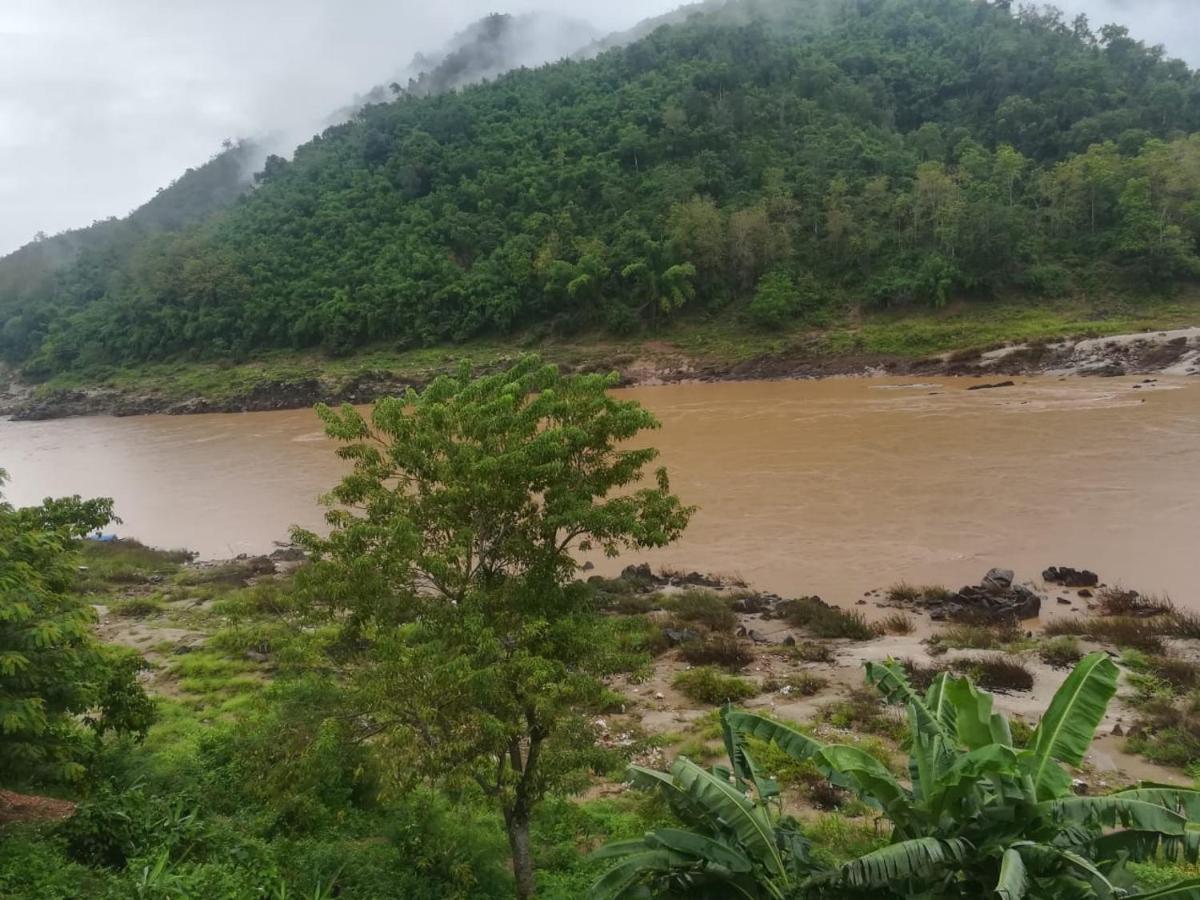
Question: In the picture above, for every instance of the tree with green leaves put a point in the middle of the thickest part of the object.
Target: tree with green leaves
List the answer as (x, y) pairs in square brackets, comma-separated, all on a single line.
[(60, 689), (979, 816), (469, 650)]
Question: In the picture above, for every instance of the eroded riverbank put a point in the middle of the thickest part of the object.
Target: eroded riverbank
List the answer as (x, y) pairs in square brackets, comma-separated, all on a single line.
[(1170, 352)]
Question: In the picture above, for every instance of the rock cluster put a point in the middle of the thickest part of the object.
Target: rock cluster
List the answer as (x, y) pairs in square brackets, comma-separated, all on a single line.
[(1068, 577), (995, 599)]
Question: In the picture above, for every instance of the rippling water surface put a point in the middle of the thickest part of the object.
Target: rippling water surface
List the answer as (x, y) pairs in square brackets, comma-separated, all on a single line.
[(829, 487)]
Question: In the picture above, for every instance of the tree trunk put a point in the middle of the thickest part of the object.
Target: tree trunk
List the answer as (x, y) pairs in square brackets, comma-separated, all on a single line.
[(522, 858)]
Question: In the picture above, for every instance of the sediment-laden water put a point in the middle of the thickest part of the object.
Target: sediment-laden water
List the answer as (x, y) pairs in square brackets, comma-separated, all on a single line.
[(828, 487)]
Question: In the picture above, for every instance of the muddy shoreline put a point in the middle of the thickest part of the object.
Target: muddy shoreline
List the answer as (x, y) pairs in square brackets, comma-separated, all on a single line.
[(1175, 352)]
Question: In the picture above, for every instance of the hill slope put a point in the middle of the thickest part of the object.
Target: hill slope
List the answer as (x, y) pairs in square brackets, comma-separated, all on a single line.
[(783, 160)]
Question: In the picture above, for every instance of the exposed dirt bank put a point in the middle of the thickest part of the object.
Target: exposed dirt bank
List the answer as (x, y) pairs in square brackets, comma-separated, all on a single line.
[(1174, 352)]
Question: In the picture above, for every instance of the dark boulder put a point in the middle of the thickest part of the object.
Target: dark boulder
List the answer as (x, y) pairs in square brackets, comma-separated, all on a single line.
[(995, 599), (997, 579), (695, 579), (677, 636), (989, 387), (1068, 577), (754, 604)]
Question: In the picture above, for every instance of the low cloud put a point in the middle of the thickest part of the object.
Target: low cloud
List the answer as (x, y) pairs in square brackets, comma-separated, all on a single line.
[(102, 103)]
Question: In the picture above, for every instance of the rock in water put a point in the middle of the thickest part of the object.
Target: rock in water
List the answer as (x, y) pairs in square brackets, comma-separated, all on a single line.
[(990, 387), (997, 580), (1068, 577)]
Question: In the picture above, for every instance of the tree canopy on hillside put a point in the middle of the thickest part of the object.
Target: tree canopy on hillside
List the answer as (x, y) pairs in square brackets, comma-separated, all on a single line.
[(870, 151)]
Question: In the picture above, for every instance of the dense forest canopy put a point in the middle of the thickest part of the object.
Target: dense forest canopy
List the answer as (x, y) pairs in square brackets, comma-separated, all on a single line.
[(778, 159)]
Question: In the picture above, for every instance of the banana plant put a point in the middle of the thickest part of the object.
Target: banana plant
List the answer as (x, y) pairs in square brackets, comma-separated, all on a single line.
[(977, 815)]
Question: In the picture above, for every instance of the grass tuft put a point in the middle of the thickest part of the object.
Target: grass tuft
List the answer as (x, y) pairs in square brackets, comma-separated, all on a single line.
[(894, 623), (1060, 652), (1121, 631), (721, 650), (707, 685), (702, 608)]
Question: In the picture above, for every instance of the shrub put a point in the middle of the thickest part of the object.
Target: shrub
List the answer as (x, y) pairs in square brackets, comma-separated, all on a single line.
[(707, 685), (1178, 675), (907, 594), (1115, 601), (980, 637), (1185, 625), (864, 711), (822, 620), (702, 608), (1060, 652), (136, 607), (630, 604), (994, 672), (894, 623), (803, 683), (813, 652), (1141, 634), (721, 650)]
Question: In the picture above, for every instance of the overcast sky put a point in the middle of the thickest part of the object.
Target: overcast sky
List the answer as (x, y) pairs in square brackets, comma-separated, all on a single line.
[(103, 101)]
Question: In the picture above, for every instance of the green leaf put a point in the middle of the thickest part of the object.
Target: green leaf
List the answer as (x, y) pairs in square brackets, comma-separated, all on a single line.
[(975, 723), (633, 869), (919, 857), (1185, 801), (749, 823), (743, 762), (1113, 811), (1182, 890), (889, 678), (1014, 880), (704, 848), (794, 743), (1066, 730)]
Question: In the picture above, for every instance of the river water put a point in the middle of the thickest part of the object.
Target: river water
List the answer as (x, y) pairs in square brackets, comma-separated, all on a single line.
[(829, 487)]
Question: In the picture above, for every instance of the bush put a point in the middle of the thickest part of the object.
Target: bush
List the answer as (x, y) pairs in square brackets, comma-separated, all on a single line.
[(1140, 634), (995, 672), (894, 623), (1115, 601), (980, 637), (803, 683), (907, 594), (721, 650), (864, 711), (702, 608), (776, 301), (1061, 652), (110, 828), (812, 652), (707, 685), (136, 607), (822, 620)]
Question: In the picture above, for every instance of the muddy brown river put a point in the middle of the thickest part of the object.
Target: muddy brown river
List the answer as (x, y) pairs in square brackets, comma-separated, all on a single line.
[(829, 487)]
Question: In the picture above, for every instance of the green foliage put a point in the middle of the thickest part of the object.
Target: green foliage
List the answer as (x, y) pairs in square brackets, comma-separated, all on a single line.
[(469, 649), (821, 620), (52, 669), (702, 608), (707, 685), (721, 650), (980, 817), (870, 146), (1060, 652)]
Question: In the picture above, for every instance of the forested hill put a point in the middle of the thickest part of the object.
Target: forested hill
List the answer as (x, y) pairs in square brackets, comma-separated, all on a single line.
[(50, 275), (778, 163)]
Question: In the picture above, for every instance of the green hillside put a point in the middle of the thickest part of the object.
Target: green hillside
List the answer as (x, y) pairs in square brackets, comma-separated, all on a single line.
[(767, 163)]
